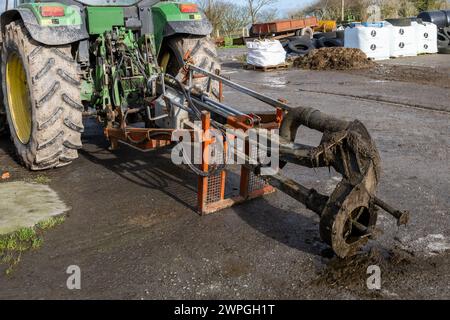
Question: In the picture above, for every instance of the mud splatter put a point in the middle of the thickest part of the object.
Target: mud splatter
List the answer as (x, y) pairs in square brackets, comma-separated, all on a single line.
[(351, 272), (439, 77), (400, 269)]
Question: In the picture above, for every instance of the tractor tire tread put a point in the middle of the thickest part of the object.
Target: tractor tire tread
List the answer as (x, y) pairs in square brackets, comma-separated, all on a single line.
[(54, 89), (202, 52)]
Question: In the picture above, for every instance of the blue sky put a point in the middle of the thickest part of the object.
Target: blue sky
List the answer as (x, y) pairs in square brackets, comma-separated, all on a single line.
[(285, 5)]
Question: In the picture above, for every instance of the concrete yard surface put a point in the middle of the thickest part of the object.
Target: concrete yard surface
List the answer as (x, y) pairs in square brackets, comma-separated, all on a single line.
[(134, 234)]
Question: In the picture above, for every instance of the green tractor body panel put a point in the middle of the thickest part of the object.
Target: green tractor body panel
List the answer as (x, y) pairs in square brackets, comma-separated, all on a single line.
[(67, 27), (105, 30), (71, 17), (102, 19), (165, 19)]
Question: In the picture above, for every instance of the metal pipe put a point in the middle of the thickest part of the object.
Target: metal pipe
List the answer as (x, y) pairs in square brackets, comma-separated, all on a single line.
[(223, 106), (211, 108), (311, 118), (254, 94), (176, 104), (155, 118), (401, 216), (309, 197)]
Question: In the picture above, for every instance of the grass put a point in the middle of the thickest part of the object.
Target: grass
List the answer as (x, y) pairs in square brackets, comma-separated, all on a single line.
[(50, 223), (42, 179), (13, 245), (231, 46)]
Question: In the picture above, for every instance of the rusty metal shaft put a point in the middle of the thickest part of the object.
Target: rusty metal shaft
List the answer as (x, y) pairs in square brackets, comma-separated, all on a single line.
[(401, 216), (313, 200)]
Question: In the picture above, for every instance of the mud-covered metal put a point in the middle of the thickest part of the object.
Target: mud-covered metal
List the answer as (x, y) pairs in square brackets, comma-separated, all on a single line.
[(348, 215), (197, 27)]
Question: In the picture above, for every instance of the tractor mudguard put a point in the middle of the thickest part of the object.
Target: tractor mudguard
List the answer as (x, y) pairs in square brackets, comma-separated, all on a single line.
[(54, 35), (196, 27), (168, 21)]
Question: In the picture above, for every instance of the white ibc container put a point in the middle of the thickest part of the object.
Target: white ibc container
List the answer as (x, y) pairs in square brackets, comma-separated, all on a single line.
[(403, 41), (426, 37), (372, 39)]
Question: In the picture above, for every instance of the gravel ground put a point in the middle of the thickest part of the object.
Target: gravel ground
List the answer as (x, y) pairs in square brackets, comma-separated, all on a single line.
[(134, 234)]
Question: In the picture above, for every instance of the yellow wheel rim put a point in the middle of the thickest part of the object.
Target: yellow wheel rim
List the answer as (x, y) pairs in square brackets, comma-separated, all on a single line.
[(18, 98), (165, 61)]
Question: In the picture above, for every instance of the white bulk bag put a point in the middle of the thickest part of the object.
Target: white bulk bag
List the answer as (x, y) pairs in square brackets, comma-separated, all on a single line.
[(373, 40), (265, 53), (426, 37), (403, 41)]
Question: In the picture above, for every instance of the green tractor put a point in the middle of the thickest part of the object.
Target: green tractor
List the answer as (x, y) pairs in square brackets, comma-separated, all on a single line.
[(63, 59), (148, 71)]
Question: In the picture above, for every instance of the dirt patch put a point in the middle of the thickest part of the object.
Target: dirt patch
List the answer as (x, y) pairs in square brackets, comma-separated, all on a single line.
[(334, 59), (399, 269), (423, 75), (351, 272), (148, 221)]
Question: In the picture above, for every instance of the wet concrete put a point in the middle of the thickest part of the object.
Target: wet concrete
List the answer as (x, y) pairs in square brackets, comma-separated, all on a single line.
[(134, 234)]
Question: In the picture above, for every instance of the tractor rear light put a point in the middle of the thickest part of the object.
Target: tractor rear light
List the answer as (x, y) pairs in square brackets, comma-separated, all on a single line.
[(52, 11), (188, 8)]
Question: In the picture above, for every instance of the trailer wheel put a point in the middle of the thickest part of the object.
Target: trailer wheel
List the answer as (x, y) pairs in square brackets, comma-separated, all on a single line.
[(200, 51), (305, 32), (41, 89)]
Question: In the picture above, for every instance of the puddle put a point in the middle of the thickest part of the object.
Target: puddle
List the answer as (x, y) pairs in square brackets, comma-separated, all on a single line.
[(276, 82), (432, 244), (378, 81), (24, 204), (228, 72)]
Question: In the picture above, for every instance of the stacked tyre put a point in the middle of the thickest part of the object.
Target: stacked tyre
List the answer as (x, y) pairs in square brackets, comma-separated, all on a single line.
[(302, 45), (299, 45)]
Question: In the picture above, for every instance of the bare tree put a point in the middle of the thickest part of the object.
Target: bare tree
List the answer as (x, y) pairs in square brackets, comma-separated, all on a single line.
[(235, 17), (269, 14), (214, 10), (357, 9), (255, 7)]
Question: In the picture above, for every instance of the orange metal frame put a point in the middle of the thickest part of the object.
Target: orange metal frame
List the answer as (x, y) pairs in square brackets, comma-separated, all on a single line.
[(154, 138), (269, 121)]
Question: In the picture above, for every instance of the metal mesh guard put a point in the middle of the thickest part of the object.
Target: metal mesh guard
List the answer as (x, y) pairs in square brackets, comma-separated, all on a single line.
[(214, 188)]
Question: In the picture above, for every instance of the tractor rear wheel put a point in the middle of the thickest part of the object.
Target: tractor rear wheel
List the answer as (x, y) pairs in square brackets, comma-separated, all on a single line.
[(199, 51), (41, 89)]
